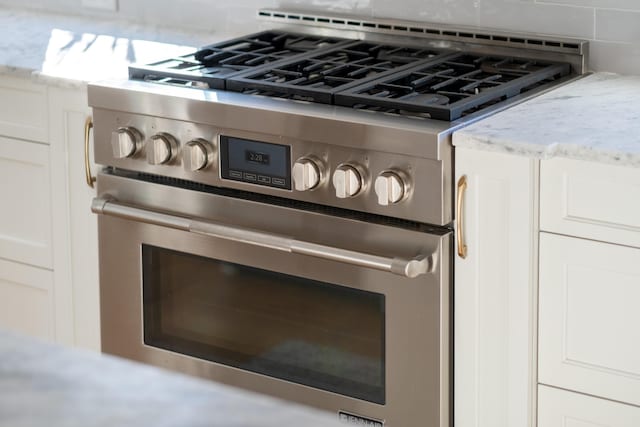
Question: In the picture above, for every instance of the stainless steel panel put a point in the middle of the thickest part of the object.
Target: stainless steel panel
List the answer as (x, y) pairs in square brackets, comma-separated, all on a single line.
[(417, 310), (374, 147)]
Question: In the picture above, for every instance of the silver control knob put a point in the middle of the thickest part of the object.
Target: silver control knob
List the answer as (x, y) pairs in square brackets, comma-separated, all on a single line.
[(125, 142), (160, 148), (195, 154), (306, 174), (347, 181), (390, 188)]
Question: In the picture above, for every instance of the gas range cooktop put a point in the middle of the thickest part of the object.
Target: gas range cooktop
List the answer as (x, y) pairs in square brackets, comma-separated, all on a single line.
[(324, 111), (375, 66)]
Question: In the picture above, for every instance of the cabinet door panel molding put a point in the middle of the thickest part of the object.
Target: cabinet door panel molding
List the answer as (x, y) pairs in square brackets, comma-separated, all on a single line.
[(589, 317)]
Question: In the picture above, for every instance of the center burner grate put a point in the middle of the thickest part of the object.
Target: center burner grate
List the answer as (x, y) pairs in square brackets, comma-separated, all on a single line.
[(317, 77), (212, 64), (452, 88)]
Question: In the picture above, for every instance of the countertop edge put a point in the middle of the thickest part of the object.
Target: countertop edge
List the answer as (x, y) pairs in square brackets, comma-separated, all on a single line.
[(552, 151)]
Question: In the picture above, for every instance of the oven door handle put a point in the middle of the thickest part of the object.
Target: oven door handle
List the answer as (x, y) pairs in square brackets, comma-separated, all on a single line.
[(410, 268)]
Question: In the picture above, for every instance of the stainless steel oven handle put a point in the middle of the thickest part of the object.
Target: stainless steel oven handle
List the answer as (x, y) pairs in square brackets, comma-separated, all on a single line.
[(411, 268)]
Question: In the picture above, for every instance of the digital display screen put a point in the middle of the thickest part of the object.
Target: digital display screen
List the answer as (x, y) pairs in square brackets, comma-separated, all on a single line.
[(256, 157), (255, 162)]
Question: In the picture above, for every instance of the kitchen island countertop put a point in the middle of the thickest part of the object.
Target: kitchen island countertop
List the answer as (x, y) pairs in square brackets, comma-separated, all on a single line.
[(594, 118), (42, 384)]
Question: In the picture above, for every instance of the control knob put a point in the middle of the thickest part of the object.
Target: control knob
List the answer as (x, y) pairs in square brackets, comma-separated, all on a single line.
[(160, 148), (390, 187), (306, 174), (347, 181), (125, 141), (195, 154)]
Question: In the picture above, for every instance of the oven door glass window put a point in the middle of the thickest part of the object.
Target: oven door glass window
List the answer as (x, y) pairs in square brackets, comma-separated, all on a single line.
[(308, 332)]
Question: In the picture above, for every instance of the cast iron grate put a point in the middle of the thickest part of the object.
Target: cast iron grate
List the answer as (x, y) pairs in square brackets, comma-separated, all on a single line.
[(451, 88), (212, 64), (318, 76)]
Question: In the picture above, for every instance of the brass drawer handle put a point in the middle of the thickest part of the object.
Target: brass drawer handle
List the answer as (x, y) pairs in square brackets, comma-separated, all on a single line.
[(88, 125), (462, 187)]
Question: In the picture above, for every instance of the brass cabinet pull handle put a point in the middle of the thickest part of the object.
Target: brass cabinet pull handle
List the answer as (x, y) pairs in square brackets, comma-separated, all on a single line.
[(462, 187), (88, 125)]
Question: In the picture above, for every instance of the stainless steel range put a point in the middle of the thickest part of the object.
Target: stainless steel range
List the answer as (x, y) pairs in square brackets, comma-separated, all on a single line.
[(276, 210)]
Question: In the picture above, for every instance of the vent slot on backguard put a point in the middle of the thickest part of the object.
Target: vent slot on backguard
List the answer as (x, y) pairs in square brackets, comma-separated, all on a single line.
[(431, 30)]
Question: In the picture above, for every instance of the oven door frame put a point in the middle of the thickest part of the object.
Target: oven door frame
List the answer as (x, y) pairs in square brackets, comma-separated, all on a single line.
[(417, 309)]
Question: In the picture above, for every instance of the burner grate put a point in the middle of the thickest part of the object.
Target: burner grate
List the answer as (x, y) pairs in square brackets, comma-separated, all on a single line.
[(319, 76), (214, 63), (451, 88)]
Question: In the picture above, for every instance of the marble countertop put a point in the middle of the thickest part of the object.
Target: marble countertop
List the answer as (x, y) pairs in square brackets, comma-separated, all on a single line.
[(43, 384), (67, 51), (594, 118)]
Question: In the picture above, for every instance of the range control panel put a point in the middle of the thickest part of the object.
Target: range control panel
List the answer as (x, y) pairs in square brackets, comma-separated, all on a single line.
[(328, 174)]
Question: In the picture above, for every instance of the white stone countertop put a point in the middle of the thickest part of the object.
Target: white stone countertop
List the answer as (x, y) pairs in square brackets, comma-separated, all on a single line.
[(594, 118), (44, 384), (69, 51)]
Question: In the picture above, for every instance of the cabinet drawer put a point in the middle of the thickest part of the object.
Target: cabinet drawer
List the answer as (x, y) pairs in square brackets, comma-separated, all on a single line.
[(23, 109), (561, 408), (589, 334), (26, 299), (25, 217), (592, 200)]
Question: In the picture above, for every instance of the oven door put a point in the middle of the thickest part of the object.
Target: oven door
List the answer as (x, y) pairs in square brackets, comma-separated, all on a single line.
[(338, 313)]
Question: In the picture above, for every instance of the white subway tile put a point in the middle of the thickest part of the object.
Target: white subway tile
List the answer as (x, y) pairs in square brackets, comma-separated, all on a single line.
[(617, 26), (461, 12), (519, 16), (539, 18), (602, 4), (623, 58), (353, 7)]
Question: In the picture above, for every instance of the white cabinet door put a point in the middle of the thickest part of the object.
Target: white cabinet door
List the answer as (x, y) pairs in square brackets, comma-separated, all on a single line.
[(561, 408), (23, 109), (26, 300), (76, 234), (592, 200), (25, 213), (590, 317), (495, 292)]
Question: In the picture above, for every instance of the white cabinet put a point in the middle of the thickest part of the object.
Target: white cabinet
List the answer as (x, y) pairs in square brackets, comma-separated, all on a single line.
[(591, 200), (561, 408), (26, 297), (23, 109), (589, 317), (495, 292), (25, 197), (589, 338), (76, 237), (26, 242), (48, 235)]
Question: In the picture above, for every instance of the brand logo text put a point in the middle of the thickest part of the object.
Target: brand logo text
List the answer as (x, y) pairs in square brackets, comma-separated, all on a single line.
[(355, 420)]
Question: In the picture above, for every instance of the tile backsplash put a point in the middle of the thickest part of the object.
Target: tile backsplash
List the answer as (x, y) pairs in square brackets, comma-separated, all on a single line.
[(612, 26)]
